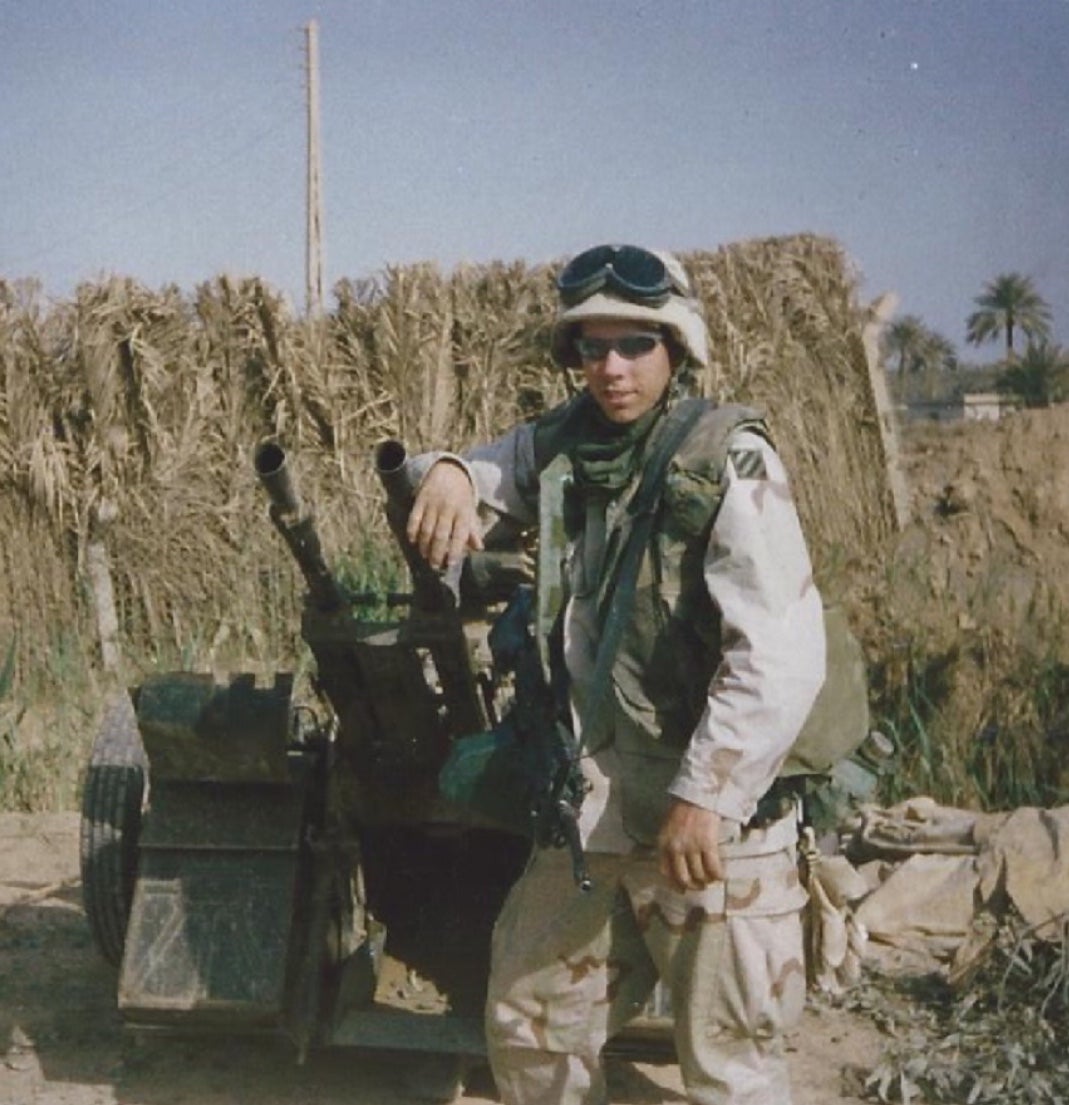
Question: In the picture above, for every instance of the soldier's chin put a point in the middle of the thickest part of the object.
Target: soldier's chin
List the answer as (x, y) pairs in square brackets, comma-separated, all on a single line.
[(619, 408)]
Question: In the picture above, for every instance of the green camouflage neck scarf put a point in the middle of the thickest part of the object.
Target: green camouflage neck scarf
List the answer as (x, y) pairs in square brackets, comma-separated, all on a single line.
[(609, 454)]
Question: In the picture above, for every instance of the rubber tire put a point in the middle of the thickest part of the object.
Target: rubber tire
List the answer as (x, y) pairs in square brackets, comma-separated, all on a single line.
[(116, 783)]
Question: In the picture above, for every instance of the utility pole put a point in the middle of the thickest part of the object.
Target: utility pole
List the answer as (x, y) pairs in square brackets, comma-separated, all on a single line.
[(313, 267)]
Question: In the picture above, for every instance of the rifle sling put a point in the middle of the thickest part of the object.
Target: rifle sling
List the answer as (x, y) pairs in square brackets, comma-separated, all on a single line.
[(643, 508)]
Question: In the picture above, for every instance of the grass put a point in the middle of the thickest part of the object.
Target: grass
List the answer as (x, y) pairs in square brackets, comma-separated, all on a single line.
[(370, 574), (46, 724), (999, 1039), (49, 714), (981, 728)]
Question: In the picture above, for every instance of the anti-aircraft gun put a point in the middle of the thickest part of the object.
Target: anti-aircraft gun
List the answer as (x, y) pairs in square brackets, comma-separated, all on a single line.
[(256, 863)]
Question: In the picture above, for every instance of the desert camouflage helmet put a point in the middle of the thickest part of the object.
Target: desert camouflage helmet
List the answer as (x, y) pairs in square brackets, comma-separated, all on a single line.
[(612, 297)]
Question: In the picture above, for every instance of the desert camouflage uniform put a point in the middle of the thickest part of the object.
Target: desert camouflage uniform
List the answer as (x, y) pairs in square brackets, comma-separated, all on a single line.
[(569, 969)]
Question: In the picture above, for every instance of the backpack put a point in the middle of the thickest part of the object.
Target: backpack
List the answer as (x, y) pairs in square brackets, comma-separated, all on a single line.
[(838, 721)]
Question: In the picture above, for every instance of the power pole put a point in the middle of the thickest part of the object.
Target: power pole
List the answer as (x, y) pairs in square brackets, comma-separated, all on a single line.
[(313, 267)]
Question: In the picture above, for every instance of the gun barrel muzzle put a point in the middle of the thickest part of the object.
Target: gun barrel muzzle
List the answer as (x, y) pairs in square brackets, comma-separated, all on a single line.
[(270, 463), (390, 458)]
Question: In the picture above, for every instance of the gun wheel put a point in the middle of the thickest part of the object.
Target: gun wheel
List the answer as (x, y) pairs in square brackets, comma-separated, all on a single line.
[(115, 787)]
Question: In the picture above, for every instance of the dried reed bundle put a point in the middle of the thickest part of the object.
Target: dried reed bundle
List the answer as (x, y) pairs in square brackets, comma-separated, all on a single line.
[(786, 336), (129, 416)]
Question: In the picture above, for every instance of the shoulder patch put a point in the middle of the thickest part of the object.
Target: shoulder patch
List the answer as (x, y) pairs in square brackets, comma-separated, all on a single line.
[(749, 464)]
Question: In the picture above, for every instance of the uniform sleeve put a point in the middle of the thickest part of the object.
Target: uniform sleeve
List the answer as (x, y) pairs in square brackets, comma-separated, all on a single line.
[(759, 575), (503, 475)]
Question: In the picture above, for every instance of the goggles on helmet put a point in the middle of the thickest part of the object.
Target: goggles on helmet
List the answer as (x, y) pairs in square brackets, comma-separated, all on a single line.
[(632, 272)]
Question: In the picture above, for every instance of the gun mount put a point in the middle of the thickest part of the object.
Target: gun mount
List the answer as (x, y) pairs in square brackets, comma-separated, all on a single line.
[(256, 863)]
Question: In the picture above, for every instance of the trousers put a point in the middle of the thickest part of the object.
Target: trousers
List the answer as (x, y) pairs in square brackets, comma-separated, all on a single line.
[(569, 969)]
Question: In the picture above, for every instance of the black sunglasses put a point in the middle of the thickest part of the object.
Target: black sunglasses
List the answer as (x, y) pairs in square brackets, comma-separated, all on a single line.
[(633, 272), (629, 346)]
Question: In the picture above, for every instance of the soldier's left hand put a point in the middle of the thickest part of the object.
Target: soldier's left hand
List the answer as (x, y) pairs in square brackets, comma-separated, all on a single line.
[(688, 846)]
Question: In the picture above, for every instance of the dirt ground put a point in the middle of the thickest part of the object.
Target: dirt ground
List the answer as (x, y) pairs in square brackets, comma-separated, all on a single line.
[(62, 1042), (990, 507), (985, 498)]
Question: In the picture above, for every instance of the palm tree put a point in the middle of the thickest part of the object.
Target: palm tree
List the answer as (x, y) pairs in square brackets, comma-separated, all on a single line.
[(903, 340), (1008, 303), (936, 356), (1041, 377), (918, 350)]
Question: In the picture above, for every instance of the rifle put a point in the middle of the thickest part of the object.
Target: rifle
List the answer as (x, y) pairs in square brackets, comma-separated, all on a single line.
[(524, 772), (540, 724)]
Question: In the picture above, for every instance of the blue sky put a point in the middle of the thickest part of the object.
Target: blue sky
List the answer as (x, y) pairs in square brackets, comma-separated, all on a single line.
[(166, 141)]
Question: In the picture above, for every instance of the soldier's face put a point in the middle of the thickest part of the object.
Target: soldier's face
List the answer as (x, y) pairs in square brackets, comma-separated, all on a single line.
[(625, 378)]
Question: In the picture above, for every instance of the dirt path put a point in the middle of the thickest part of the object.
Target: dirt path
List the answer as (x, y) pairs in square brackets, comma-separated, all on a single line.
[(61, 1041)]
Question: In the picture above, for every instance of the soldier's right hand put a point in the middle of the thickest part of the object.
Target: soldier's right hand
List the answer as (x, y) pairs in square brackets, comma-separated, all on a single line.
[(689, 846), (444, 522)]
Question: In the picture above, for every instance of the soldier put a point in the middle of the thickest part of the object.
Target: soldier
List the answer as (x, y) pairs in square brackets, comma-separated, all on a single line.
[(690, 839)]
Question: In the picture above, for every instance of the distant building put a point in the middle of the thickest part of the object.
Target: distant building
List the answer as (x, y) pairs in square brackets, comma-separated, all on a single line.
[(987, 406), (979, 406)]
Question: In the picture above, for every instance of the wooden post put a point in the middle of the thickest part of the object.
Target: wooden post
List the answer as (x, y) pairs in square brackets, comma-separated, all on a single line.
[(314, 235), (443, 386), (880, 313), (101, 587)]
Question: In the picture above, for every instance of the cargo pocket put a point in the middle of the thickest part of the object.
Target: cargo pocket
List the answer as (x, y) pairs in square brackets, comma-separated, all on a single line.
[(763, 886), (761, 991)]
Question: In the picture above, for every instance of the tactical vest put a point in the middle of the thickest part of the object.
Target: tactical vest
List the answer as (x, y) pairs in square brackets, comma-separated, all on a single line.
[(671, 647)]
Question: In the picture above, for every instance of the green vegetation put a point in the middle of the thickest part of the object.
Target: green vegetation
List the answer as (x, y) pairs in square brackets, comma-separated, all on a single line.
[(923, 365), (918, 352), (1040, 377), (985, 726), (7, 672), (996, 1037), (44, 722)]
